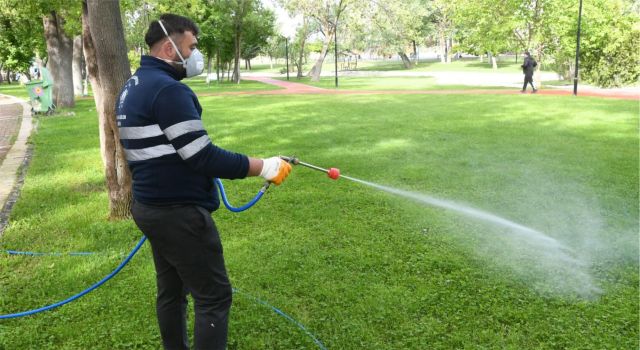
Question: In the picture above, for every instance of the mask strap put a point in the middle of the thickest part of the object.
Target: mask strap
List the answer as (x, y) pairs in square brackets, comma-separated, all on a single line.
[(172, 43)]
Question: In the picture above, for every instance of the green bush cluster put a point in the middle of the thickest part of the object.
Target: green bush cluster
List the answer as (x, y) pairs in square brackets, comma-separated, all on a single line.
[(611, 58)]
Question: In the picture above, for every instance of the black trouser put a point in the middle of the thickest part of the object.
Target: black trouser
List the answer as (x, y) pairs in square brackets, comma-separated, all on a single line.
[(528, 79), (187, 253)]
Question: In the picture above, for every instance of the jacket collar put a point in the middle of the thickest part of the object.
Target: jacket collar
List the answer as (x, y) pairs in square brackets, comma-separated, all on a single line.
[(156, 63)]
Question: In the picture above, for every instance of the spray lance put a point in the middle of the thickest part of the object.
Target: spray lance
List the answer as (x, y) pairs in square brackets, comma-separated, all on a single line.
[(333, 173)]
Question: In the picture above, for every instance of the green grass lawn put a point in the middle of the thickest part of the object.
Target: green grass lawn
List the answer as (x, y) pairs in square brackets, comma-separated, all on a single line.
[(506, 65), (14, 89), (385, 83), (359, 268), (200, 86)]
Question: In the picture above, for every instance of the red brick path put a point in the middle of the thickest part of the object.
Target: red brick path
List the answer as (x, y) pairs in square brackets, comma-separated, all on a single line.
[(10, 118)]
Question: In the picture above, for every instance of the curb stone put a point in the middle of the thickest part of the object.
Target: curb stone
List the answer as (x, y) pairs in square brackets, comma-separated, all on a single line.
[(16, 158)]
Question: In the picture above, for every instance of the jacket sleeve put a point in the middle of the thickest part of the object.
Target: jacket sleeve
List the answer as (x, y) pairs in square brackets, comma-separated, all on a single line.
[(176, 108)]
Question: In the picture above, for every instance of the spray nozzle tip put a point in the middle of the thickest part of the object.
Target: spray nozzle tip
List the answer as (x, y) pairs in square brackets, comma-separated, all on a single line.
[(334, 173)]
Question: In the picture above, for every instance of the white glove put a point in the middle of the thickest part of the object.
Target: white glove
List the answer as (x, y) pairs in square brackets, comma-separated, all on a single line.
[(275, 170)]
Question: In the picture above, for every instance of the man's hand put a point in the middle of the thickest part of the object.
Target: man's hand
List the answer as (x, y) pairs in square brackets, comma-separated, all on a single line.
[(275, 170)]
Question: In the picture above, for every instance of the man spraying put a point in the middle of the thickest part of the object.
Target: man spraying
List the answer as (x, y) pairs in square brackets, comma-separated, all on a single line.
[(173, 163)]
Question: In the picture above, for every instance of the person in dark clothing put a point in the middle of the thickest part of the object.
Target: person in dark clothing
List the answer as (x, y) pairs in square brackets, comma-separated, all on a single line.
[(173, 163), (527, 68)]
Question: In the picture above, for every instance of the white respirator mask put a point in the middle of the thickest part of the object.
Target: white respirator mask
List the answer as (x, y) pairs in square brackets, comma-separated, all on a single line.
[(194, 65)]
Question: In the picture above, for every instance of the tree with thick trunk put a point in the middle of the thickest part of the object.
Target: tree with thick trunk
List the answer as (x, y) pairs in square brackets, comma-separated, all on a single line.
[(239, 9), (108, 69), (303, 34), (326, 15), (486, 27), (405, 60), (441, 17), (60, 52), (327, 19), (316, 70), (237, 42), (398, 25)]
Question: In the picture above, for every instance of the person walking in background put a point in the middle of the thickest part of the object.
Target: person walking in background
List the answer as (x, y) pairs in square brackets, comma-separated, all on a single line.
[(173, 164), (527, 68)]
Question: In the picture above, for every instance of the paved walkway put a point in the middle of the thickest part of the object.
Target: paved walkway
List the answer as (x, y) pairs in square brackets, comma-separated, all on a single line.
[(289, 87), (15, 125), (10, 117)]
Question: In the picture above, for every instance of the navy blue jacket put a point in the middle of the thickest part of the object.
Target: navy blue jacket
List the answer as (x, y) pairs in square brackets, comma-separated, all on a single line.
[(528, 66), (171, 157)]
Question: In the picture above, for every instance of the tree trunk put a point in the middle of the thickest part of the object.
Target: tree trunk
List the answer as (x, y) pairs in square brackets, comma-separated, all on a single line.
[(108, 69), (538, 71), (302, 35), (446, 50), (317, 67), (494, 62), (208, 80), (236, 60), (443, 48), (300, 59), (60, 53), (78, 63), (405, 60), (218, 62)]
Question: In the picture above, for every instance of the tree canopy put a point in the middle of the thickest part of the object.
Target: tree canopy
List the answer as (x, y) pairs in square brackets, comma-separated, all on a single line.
[(242, 29)]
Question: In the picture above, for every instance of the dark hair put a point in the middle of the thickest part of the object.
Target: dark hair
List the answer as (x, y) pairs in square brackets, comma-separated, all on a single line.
[(173, 24), (527, 53)]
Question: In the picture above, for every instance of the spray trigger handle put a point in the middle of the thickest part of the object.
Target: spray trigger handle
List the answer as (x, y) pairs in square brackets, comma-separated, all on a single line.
[(291, 160)]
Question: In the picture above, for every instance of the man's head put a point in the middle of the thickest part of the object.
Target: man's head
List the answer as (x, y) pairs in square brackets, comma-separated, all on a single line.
[(180, 29), (527, 54)]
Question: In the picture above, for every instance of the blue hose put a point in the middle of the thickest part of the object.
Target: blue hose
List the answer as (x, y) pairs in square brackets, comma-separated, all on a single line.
[(17, 252), (255, 199), (287, 317), (128, 258), (135, 250), (96, 285)]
